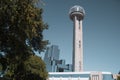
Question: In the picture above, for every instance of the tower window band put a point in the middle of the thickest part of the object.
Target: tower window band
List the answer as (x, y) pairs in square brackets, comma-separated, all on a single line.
[(79, 24), (79, 43)]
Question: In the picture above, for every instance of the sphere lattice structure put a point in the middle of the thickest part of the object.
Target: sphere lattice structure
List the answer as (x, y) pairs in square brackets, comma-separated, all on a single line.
[(77, 11)]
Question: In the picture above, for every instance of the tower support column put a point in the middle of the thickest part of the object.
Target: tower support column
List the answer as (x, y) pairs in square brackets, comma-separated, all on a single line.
[(77, 45)]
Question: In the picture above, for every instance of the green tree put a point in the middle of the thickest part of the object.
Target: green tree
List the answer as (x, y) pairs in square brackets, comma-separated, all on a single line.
[(21, 28), (119, 72), (32, 68), (118, 78)]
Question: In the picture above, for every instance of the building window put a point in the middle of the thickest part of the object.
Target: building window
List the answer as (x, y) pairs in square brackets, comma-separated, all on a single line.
[(51, 63), (79, 24), (79, 43)]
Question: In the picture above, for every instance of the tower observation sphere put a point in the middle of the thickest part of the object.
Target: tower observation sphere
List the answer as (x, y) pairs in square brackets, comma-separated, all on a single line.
[(77, 11), (76, 14)]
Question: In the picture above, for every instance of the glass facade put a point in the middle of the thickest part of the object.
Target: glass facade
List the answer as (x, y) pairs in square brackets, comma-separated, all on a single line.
[(77, 9), (108, 77), (53, 64), (50, 58)]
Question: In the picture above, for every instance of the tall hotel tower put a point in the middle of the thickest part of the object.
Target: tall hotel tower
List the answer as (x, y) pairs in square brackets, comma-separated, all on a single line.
[(76, 15)]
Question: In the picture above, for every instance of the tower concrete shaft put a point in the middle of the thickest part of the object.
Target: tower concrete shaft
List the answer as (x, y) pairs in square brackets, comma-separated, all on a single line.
[(77, 45)]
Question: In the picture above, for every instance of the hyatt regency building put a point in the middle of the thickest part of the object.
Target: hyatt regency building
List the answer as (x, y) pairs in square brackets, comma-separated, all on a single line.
[(80, 76)]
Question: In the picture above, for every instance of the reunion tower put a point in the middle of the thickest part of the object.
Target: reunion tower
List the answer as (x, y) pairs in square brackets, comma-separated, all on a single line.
[(76, 15)]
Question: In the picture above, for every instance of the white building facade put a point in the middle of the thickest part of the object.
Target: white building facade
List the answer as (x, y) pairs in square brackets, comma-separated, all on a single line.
[(80, 76)]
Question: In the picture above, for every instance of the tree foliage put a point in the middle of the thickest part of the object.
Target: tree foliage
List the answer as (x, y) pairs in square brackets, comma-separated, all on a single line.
[(118, 78), (32, 68), (21, 28), (119, 72)]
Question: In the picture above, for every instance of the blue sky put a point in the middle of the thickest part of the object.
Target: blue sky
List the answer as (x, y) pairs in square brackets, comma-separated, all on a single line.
[(101, 32)]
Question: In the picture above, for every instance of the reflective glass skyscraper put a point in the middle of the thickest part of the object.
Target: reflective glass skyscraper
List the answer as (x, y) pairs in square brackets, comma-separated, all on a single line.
[(52, 61), (50, 58)]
